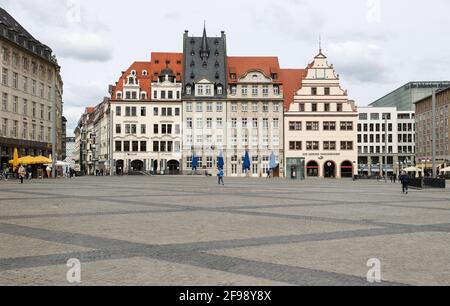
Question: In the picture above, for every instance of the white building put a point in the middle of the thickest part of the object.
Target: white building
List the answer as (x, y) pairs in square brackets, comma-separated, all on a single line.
[(146, 116), (372, 125), (255, 115), (320, 126)]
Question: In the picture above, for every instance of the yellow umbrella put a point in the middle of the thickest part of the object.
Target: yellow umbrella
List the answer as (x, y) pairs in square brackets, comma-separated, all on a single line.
[(15, 162), (27, 160), (42, 160)]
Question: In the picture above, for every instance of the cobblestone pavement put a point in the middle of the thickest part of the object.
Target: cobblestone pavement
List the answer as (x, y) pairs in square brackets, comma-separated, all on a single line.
[(190, 231)]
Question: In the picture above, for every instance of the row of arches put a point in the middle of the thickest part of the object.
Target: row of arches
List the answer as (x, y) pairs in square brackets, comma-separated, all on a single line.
[(173, 167), (329, 169)]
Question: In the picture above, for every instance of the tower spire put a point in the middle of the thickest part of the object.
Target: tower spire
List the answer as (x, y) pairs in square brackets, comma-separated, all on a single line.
[(320, 43), (204, 53)]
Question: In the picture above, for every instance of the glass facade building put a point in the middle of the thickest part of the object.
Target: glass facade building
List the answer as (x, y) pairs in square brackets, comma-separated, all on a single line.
[(404, 97)]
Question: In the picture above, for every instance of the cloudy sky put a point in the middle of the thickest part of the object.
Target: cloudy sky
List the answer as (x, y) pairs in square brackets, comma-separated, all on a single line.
[(375, 45)]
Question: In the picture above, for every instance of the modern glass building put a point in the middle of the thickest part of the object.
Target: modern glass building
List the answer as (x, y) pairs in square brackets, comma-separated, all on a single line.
[(404, 97)]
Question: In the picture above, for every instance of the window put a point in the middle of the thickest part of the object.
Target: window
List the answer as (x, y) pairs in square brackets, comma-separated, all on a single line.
[(155, 129), (233, 90), (348, 126), (143, 129), (177, 111), (234, 107), (143, 146), (295, 145), (326, 107), (33, 112), (265, 123), (314, 107), (234, 123), (339, 107), (245, 107), (312, 126), (295, 126), (219, 90), (276, 107), (189, 123), (209, 107), (25, 108), (302, 107), (16, 80), (276, 90), (5, 76), (199, 124), (276, 123), (255, 107), (118, 146), (209, 123), (208, 90), (15, 104), (329, 126), (219, 123), (244, 90), (219, 107), (143, 111), (312, 145), (188, 90), (155, 146), (346, 145), (329, 145), (126, 146), (200, 90), (118, 129), (327, 91), (135, 146), (266, 107), (199, 107), (118, 111), (244, 123), (255, 90), (265, 90), (255, 123), (314, 91)]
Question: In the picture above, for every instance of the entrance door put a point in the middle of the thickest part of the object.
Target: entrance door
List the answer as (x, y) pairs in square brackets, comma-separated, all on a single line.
[(312, 169), (347, 169), (276, 172), (174, 167), (137, 165), (119, 167), (329, 169)]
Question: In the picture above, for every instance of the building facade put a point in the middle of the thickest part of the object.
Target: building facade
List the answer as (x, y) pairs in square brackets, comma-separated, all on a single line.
[(29, 83), (373, 123), (255, 115), (405, 97), (321, 126), (147, 116), (204, 101), (424, 123), (85, 150)]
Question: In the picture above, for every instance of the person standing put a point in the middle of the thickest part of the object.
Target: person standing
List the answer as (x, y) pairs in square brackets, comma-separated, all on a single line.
[(405, 180), (49, 171), (268, 174), (221, 175), (22, 173)]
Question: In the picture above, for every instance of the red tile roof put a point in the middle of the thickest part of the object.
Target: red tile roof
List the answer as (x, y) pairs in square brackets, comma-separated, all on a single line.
[(292, 82), (241, 65), (161, 60), (144, 81)]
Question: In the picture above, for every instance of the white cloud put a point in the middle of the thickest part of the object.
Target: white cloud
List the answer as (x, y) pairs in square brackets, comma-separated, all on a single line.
[(83, 47), (359, 61)]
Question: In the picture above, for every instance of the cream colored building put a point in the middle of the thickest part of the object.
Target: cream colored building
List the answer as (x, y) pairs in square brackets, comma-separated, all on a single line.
[(29, 81), (254, 115), (321, 126)]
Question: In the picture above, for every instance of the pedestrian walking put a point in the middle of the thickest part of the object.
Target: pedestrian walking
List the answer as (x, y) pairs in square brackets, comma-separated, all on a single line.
[(22, 173), (221, 175), (6, 173), (268, 174), (30, 172), (49, 171), (405, 180)]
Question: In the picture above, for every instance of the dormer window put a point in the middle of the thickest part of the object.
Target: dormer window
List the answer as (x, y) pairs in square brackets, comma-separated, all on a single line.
[(219, 90), (119, 95), (144, 73), (217, 53), (233, 76), (143, 96), (217, 65), (133, 72), (131, 80), (156, 61), (205, 64), (188, 90), (274, 76), (192, 52), (192, 64)]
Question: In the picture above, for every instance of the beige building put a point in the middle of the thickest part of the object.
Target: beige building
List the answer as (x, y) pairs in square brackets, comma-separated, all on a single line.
[(424, 137), (255, 115), (29, 81), (321, 126)]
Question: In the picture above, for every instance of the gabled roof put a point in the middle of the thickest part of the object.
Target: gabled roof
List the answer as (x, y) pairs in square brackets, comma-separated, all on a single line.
[(241, 65), (144, 80), (292, 82), (163, 60)]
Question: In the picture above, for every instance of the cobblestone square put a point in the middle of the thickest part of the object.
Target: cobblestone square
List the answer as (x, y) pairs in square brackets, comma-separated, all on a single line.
[(184, 230)]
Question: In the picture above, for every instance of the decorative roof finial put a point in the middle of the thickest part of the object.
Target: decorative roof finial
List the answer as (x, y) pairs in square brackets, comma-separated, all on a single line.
[(320, 43)]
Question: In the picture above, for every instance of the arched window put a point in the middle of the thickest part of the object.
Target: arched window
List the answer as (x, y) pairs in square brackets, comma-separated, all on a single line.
[(133, 72), (119, 95), (144, 73)]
